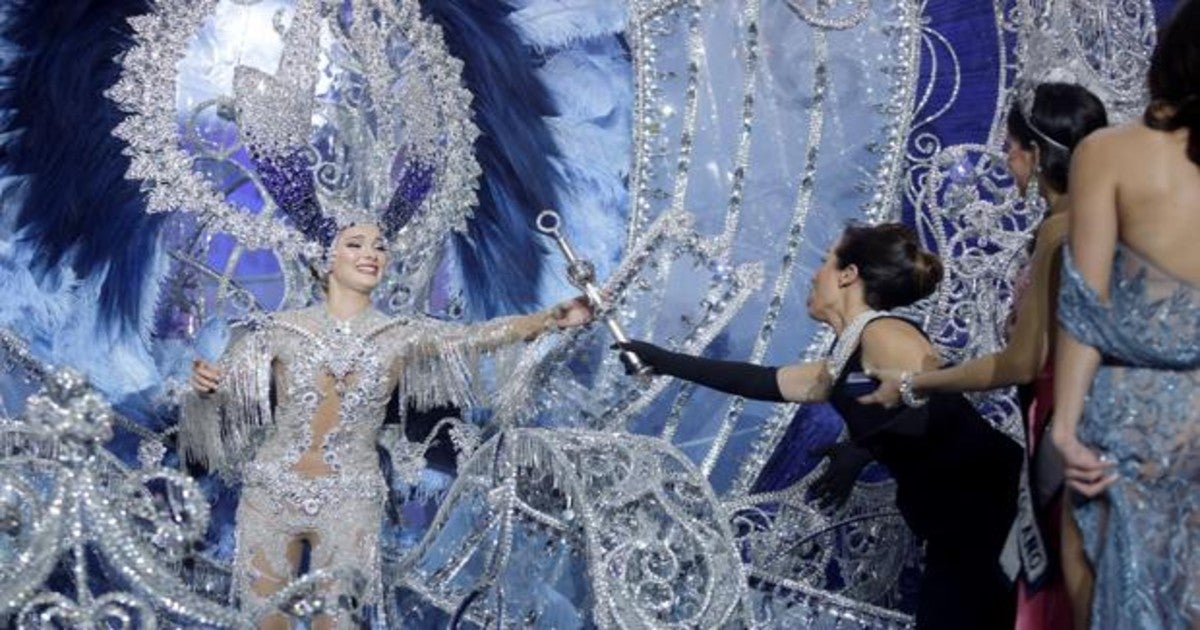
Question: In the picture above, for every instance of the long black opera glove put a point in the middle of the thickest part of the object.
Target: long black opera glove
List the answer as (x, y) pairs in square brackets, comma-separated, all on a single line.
[(732, 377), (846, 462)]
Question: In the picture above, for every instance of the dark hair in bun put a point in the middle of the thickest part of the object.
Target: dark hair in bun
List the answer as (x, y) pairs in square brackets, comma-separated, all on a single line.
[(895, 270)]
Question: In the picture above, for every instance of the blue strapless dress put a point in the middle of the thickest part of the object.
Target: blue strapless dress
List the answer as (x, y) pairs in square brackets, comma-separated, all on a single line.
[(1143, 411)]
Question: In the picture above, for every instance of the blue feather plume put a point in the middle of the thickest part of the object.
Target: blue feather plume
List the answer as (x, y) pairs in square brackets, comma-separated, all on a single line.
[(502, 256), (75, 206)]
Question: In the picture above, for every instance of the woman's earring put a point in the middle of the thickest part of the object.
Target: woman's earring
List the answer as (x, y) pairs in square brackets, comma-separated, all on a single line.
[(1033, 193)]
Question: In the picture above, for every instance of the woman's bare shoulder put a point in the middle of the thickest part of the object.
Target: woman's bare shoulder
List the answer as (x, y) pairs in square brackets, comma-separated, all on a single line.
[(892, 331), (1118, 140), (892, 342)]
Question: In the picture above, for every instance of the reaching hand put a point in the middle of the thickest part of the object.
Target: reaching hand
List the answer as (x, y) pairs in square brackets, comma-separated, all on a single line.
[(206, 377), (1086, 472), (748, 380), (846, 461), (888, 392), (572, 313), (649, 353)]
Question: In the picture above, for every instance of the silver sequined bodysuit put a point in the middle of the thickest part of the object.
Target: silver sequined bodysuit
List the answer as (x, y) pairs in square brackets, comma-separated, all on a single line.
[(309, 467)]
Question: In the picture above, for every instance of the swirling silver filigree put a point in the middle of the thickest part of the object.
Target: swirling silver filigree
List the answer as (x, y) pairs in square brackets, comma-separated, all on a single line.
[(658, 549), (66, 501), (1103, 45)]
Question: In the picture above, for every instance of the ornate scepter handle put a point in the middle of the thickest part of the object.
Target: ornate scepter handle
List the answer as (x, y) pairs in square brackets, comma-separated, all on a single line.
[(582, 275)]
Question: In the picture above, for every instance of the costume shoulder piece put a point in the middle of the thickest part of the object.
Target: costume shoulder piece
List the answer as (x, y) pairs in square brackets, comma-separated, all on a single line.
[(215, 429)]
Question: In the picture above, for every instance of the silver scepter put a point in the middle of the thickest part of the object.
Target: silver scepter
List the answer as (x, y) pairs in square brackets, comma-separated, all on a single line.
[(582, 275)]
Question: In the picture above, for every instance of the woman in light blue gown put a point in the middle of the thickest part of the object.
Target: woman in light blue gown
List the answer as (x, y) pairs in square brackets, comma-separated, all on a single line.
[(1127, 372)]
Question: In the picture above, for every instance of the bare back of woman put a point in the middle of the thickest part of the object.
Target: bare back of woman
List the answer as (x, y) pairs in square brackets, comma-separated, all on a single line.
[(1157, 196)]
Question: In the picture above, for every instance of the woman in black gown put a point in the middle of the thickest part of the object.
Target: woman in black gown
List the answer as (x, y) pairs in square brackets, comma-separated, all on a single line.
[(956, 476)]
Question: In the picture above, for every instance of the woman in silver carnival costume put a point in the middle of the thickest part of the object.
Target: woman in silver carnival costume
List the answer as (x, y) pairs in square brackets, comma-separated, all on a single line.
[(956, 475), (1127, 362), (293, 410)]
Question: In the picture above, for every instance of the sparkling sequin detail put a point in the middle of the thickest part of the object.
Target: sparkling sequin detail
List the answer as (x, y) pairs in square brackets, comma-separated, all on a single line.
[(1143, 534)]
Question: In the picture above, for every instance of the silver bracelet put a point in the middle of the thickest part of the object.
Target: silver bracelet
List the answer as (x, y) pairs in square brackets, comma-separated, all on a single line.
[(907, 394)]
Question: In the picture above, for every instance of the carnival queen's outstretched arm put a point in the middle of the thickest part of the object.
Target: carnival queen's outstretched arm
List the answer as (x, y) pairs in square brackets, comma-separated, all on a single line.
[(439, 363), (569, 314), (497, 333)]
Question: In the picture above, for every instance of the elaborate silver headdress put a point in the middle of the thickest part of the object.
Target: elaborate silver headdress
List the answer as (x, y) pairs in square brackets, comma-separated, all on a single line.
[(362, 119)]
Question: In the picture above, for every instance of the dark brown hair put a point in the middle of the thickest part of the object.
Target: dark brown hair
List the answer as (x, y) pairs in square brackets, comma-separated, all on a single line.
[(1066, 113), (1174, 77), (895, 270)]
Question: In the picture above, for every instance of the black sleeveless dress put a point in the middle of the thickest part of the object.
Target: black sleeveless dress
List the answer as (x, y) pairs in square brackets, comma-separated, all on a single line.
[(956, 487)]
